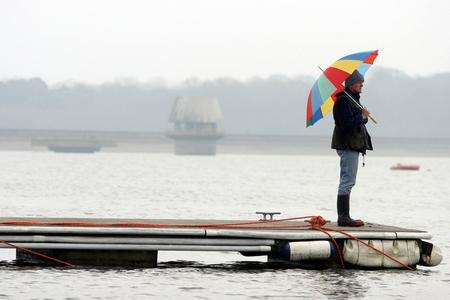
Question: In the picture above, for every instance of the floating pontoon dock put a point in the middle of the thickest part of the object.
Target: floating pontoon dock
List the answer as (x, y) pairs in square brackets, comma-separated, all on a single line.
[(136, 242)]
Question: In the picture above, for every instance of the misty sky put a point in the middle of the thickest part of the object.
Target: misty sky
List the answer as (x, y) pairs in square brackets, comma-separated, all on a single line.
[(97, 41)]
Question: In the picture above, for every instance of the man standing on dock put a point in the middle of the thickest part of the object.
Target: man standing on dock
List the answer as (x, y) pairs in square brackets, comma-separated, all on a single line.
[(350, 138)]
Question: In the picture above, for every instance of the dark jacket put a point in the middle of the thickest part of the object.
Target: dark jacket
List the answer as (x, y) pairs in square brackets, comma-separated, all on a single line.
[(349, 131)]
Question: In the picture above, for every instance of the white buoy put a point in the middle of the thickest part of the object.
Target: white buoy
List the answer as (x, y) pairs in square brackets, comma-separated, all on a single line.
[(405, 251), (361, 255), (307, 250)]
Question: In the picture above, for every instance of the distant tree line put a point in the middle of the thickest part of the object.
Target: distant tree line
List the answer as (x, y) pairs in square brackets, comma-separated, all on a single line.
[(405, 106)]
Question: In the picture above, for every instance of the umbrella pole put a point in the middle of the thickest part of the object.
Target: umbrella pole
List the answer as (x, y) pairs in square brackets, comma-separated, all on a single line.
[(359, 105), (354, 101)]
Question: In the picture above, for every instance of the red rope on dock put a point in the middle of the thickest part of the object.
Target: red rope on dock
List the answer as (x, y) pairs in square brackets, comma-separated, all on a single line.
[(341, 258), (148, 225), (64, 263)]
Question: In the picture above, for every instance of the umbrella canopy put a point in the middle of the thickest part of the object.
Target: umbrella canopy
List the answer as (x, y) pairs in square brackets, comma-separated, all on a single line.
[(323, 93)]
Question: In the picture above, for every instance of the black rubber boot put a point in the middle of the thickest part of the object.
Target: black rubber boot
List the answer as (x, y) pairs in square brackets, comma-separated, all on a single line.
[(343, 209)]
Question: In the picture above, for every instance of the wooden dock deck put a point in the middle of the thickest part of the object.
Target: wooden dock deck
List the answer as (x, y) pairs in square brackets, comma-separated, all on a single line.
[(126, 240), (277, 229)]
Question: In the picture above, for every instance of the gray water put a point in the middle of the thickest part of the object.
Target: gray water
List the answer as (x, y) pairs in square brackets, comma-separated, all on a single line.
[(146, 185)]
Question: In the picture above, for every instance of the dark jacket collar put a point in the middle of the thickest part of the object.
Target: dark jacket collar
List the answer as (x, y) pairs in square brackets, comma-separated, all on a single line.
[(355, 96)]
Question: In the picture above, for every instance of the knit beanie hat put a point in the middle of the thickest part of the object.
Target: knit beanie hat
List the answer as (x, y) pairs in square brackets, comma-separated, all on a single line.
[(354, 78)]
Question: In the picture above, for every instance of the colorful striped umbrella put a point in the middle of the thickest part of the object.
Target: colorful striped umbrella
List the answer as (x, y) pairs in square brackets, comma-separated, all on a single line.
[(323, 93)]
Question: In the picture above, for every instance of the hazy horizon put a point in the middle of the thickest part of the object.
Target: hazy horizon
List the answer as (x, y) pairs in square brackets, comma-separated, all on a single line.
[(162, 82), (101, 41)]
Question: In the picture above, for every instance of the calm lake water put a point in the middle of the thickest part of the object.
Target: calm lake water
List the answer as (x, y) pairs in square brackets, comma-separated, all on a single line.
[(149, 185)]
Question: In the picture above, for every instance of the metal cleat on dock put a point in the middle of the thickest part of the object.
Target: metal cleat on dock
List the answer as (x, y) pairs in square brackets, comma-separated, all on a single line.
[(264, 215)]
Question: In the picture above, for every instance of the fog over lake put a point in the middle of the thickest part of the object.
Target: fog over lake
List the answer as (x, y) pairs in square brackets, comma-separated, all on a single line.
[(405, 106)]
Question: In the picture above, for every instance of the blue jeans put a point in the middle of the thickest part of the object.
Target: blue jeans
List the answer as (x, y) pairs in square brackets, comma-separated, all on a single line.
[(349, 168)]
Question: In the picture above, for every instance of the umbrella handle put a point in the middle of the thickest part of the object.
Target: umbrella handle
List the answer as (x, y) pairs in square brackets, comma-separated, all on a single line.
[(373, 120), (359, 105)]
